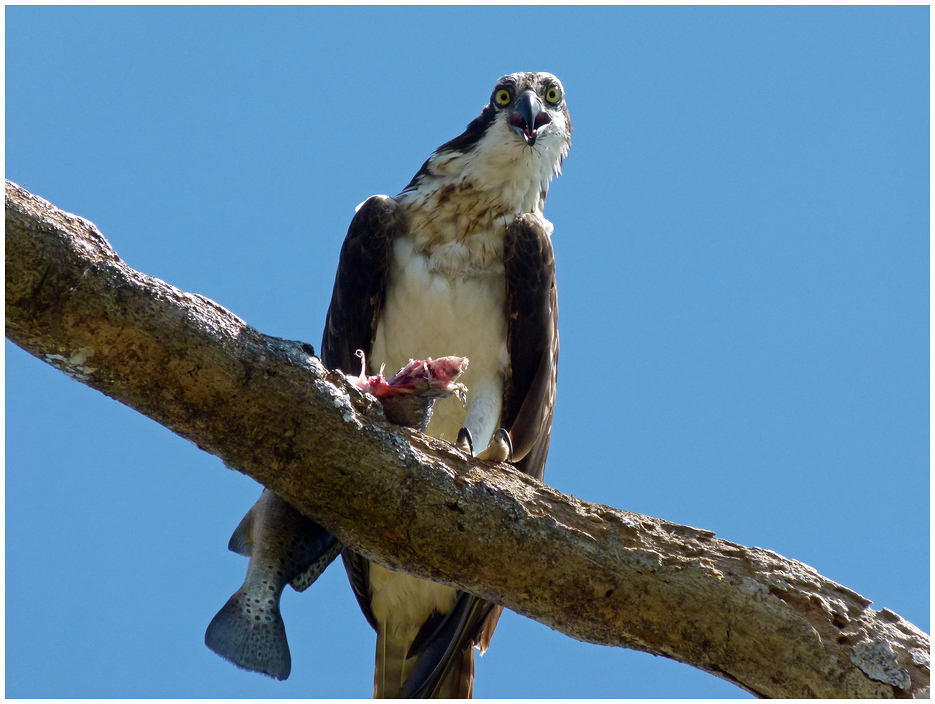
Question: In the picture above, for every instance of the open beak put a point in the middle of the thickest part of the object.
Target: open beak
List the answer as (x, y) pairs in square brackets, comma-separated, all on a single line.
[(528, 117)]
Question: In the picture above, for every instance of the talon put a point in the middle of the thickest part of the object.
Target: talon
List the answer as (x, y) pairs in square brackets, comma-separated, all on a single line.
[(465, 442), (504, 435), (500, 448)]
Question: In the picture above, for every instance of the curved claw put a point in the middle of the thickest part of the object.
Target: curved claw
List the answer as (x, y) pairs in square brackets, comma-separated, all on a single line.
[(502, 436), (465, 442), (500, 448)]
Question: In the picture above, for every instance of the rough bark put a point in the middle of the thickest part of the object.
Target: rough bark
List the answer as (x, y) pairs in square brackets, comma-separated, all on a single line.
[(268, 408)]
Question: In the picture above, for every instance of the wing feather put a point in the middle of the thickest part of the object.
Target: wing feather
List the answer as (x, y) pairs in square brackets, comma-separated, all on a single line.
[(445, 667), (360, 282), (532, 306), (359, 287)]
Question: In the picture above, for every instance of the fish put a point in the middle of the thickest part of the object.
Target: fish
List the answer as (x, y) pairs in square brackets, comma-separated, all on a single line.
[(286, 547), (409, 396)]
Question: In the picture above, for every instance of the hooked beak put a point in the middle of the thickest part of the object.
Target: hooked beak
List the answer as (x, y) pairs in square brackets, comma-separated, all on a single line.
[(528, 117)]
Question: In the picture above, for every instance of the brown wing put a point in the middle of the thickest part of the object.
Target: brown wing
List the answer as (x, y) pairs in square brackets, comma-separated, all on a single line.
[(532, 306), (356, 303), (360, 282), (529, 394)]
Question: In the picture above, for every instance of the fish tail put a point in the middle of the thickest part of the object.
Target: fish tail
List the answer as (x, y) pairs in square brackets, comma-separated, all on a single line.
[(250, 633)]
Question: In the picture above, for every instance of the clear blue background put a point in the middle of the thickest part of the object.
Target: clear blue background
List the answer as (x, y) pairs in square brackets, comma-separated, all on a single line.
[(742, 237)]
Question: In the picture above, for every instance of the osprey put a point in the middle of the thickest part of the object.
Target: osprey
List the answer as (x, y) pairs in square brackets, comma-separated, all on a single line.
[(459, 263)]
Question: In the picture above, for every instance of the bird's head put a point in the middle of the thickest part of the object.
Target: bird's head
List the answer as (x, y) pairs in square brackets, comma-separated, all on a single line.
[(526, 137), (512, 148), (533, 106)]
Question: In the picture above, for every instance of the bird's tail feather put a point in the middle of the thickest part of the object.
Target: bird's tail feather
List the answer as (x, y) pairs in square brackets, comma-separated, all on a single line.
[(458, 682), (390, 671), (393, 670)]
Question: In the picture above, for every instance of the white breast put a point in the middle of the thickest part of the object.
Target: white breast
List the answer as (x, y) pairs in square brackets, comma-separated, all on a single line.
[(441, 303)]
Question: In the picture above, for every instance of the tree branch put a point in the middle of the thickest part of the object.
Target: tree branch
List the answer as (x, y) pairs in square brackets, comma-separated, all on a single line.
[(269, 409)]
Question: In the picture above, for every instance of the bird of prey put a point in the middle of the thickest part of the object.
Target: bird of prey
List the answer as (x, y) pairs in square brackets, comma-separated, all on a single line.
[(459, 263)]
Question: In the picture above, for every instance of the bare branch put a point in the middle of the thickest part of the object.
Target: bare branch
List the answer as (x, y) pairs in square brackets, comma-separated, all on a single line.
[(269, 409)]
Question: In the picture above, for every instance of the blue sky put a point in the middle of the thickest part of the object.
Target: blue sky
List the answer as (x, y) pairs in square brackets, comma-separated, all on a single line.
[(742, 245)]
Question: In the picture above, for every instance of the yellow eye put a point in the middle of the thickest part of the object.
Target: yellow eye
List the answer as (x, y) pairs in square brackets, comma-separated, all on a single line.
[(553, 95), (502, 97)]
